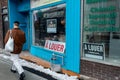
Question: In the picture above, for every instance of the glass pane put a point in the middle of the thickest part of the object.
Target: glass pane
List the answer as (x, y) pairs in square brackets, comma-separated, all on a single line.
[(49, 24), (101, 26)]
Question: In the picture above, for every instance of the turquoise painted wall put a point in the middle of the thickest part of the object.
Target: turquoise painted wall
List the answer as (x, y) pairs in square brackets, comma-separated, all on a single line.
[(73, 35), (24, 6), (21, 15), (72, 55)]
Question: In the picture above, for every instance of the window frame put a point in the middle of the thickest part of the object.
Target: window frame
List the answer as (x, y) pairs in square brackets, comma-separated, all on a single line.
[(104, 61), (33, 27)]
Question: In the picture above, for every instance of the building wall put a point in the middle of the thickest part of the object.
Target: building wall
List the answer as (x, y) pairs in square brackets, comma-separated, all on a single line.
[(3, 3), (72, 53), (100, 71)]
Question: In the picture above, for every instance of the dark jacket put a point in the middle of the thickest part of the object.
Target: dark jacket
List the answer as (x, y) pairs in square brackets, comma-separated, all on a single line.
[(19, 39)]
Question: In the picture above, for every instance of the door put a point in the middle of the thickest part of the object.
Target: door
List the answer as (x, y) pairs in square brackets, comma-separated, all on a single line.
[(25, 25), (5, 25)]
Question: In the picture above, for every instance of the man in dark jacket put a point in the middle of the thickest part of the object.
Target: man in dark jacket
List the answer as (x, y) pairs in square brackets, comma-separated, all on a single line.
[(19, 39)]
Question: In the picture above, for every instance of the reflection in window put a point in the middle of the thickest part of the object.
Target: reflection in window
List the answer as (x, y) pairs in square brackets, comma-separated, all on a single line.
[(49, 24), (102, 26)]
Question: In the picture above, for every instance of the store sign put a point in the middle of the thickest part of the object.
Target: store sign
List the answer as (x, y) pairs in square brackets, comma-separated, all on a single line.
[(95, 1), (55, 46), (54, 14), (52, 26), (94, 50), (37, 3), (101, 18)]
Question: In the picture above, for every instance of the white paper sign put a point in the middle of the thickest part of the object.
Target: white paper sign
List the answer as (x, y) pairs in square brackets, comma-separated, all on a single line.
[(37, 3), (51, 26), (55, 46)]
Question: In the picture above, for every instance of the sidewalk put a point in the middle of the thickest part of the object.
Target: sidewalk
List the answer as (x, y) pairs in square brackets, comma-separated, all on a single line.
[(27, 56), (31, 74)]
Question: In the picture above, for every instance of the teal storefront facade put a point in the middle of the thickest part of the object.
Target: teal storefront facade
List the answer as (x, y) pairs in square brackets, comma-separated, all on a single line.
[(82, 35), (22, 11)]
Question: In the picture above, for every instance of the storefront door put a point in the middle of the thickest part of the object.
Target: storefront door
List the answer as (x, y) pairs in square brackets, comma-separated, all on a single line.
[(25, 27), (5, 25)]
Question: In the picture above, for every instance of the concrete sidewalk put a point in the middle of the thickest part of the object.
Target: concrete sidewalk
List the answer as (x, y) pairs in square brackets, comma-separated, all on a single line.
[(27, 56), (6, 74)]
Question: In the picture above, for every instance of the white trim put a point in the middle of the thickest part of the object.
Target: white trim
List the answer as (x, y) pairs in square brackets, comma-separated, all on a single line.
[(81, 28), (33, 30)]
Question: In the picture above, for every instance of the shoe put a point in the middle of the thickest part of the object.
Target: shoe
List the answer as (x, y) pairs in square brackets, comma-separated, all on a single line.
[(14, 71), (22, 76)]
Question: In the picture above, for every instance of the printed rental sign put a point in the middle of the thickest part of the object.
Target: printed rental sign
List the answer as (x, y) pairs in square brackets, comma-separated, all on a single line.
[(37, 3), (94, 50), (55, 46)]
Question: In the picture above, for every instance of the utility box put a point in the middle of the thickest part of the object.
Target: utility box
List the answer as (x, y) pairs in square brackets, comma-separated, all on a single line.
[(56, 63)]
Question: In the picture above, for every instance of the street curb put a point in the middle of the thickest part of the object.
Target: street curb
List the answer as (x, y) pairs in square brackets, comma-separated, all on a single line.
[(46, 76)]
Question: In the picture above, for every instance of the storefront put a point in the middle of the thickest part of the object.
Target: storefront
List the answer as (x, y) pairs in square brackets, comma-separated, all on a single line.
[(52, 29), (85, 42), (101, 39)]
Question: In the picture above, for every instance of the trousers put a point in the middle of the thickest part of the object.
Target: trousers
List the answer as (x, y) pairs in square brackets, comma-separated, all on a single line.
[(16, 64)]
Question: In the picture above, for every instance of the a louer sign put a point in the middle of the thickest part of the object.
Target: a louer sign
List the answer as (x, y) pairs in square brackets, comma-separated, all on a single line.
[(94, 50), (55, 46)]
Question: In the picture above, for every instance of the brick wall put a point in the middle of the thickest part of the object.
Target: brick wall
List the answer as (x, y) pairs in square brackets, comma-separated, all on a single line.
[(100, 71)]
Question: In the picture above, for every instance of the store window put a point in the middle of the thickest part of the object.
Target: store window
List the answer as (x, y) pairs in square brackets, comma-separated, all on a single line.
[(101, 29), (49, 24)]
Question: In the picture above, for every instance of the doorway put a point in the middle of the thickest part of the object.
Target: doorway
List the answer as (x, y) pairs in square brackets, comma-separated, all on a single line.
[(5, 26), (25, 26)]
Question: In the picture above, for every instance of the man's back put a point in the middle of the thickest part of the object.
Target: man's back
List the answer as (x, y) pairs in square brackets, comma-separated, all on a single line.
[(19, 39)]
